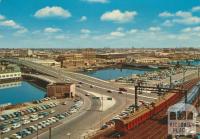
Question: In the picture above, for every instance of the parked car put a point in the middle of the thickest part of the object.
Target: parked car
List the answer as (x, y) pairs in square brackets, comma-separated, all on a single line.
[(5, 130), (122, 89), (109, 91), (15, 125)]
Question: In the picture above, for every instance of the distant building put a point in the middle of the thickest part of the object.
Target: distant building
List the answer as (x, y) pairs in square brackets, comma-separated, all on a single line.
[(46, 62), (61, 90), (12, 75), (29, 52), (9, 72), (151, 60)]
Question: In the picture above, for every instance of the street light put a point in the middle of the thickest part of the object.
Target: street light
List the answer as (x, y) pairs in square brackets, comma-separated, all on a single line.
[(68, 134), (184, 70)]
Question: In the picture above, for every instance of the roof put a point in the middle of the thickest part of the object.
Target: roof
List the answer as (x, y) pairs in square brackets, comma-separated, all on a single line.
[(61, 83)]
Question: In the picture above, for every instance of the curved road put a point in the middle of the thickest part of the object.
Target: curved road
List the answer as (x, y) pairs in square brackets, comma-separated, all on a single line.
[(89, 118)]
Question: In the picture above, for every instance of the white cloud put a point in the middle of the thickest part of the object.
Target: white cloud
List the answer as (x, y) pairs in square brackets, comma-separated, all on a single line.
[(117, 34), (22, 31), (196, 9), (133, 31), (120, 29), (154, 29), (188, 21), (166, 14), (191, 29), (180, 17), (2, 17), (54, 11), (187, 29), (97, 1), (167, 23), (118, 16), (10, 23), (83, 19), (85, 31), (183, 14), (51, 30)]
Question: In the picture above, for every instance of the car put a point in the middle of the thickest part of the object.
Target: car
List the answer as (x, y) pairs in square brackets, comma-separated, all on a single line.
[(34, 128), (1, 118), (5, 130), (2, 126), (197, 135), (109, 91), (34, 119), (64, 103), (46, 123), (38, 126), (78, 86), (15, 125), (56, 119), (122, 89), (52, 111), (120, 92), (22, 134), (41, 124), (91, 86), (80, 82), (26, 131), (104, 126), (87, 94), (26, 122), (15, 136), (49, 121), (25, 117), (41, 116)]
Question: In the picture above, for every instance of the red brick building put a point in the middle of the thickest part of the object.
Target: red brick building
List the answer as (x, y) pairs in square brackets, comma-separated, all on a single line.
[(61, 90)]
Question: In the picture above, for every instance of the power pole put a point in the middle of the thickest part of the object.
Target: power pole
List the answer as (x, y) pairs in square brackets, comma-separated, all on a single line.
[(136, 98), (170, 81), (49, 132), (37, 131)]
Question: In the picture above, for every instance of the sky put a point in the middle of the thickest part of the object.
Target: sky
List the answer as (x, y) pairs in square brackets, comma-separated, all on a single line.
[(99, 23)]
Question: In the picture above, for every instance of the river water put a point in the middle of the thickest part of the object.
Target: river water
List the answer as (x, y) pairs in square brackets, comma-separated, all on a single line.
[(114, 73), (20, 93)]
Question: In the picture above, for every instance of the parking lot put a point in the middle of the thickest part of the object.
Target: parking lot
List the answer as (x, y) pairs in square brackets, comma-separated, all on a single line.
[(30, 121)]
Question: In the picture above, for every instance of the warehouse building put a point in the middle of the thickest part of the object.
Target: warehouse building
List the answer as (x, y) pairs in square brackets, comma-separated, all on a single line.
[(61, 90)]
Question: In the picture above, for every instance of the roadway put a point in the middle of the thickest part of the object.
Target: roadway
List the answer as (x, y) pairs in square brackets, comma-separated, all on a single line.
[(89, 117)]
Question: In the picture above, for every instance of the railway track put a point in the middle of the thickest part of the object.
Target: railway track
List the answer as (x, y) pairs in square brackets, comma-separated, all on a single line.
[(155, 128)]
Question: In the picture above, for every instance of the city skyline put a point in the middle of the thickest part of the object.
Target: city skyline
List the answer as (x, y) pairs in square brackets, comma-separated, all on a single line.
[(99, 23)]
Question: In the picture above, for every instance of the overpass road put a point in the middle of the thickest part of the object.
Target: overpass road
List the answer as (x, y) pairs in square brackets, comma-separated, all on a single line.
[(89, 118)]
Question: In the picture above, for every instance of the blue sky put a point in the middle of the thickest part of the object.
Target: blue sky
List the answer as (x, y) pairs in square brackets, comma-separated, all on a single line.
[(99, 23)]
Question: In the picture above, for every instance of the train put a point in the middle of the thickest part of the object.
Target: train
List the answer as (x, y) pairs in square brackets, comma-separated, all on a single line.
[(143, 114)]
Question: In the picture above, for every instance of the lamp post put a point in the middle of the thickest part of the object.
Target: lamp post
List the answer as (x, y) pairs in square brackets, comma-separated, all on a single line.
[(68, 134), (184, 70)]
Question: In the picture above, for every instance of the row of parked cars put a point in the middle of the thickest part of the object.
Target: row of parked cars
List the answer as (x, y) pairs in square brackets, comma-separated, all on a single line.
[(46, 123), (43, 100), (26, 111), (8, 125)]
